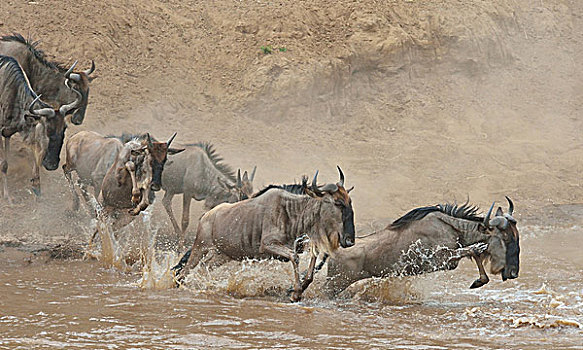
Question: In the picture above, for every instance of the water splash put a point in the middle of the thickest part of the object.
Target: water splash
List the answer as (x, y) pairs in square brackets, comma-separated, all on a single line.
[(156, 270)]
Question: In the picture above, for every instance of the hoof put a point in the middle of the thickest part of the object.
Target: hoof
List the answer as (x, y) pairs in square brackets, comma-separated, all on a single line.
[(36, 191), (295, 297), (477, 284)]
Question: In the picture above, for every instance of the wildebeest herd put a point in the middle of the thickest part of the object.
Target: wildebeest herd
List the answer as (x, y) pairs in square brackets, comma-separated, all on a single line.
[(277, 222)]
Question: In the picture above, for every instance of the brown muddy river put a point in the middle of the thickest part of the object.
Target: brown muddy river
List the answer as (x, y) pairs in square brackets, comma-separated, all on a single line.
[(81, 304)]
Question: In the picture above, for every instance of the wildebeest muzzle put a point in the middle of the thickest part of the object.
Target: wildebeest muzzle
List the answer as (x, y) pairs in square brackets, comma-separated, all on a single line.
[(512, 261), (157, 168), (52, 157), (78, 115), (348, 235)]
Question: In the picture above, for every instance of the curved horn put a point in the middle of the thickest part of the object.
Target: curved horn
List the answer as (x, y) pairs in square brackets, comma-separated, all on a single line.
[(314, 186), (341, 182), (499, 221), (170, 140), (487, 218), (239, 182), (64, 109), (46, 112), (149, 138), (510, 206), (253, 174), (70, 70), (90, 70)]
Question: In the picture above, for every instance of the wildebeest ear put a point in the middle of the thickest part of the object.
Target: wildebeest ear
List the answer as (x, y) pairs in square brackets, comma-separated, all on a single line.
[(499, 212), (350, 189), (175, 150), (245, 176)]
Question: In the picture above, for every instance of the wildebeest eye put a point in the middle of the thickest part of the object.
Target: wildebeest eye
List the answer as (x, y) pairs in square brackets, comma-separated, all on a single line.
[(339, 203)]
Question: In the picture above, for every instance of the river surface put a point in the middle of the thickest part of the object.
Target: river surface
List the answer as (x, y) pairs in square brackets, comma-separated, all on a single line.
[(82, 304)]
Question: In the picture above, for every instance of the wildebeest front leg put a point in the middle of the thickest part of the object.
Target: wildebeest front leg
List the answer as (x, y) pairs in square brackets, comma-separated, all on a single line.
[(316, 270), (186, 200), (131, 168), (144, 203), (310, 273), (38, 155), (4, 166), (167, 202), (463, 252), (285, 252), (479, 259), (69, 177)]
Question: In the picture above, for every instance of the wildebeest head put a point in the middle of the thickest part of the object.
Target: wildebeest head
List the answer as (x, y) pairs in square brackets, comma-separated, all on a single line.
[(331, 230), (342, 200), (231, 193), (159, 152), (503, 244), (79, 81), (54, 125)]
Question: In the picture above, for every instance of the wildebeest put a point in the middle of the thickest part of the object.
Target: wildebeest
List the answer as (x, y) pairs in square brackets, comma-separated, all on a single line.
[(430, 239), (48, 78), (315, 191), (91, 156), (135, 169), (272, 222), (269, 226), (199, 173), (43, 129)]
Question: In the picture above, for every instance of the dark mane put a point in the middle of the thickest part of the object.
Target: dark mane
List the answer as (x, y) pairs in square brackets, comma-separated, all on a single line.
[(216, 159), (294, 188), (15, 75), (465, 211), (37, 53), (126, 137)]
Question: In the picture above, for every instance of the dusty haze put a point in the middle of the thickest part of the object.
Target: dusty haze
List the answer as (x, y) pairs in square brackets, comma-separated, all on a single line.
[(419, 102)]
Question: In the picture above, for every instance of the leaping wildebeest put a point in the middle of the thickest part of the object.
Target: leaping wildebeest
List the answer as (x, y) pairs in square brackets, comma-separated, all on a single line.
[(43, 129), (48, 78), (199, 173), (134, 169), (271, 224), (92, 156), (431, 239)]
